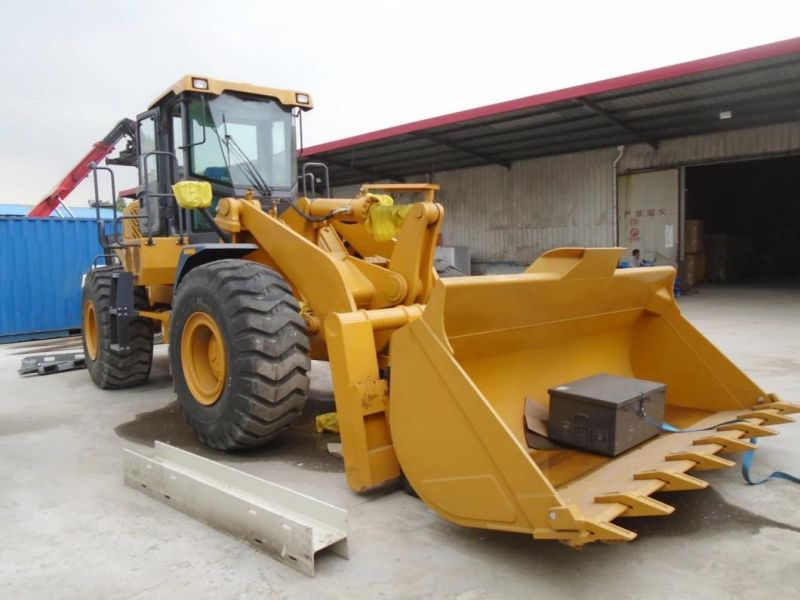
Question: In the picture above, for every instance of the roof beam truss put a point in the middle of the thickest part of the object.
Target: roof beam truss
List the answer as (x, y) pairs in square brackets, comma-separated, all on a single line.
[(372, 173), (599, 110), (461, 148)]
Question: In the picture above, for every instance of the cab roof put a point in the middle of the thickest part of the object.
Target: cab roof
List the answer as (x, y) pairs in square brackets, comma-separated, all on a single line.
[(188, 83)]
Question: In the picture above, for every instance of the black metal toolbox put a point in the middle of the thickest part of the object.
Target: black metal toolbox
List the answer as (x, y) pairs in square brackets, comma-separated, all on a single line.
[(604, 413)]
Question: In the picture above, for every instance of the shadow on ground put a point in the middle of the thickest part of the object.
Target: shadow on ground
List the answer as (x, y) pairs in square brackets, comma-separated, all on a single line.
[(702, 511), (699, 515), (300, 445)]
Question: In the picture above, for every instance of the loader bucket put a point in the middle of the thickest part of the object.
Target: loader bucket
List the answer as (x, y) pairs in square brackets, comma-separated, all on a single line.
[(462, 372)]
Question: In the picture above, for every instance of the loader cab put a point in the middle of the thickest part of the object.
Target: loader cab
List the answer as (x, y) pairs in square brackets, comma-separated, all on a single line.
[(237, 137)]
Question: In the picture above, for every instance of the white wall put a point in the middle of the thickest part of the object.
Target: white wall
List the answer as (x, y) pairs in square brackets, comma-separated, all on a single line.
[(744, 143), (515, 215)]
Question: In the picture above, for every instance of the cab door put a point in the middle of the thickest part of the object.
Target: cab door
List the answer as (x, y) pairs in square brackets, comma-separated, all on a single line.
[(150, 170)]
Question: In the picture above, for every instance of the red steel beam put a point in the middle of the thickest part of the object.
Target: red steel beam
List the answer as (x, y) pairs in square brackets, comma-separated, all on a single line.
[(80, 171)]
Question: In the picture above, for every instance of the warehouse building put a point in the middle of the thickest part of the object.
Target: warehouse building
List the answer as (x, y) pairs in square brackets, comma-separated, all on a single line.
[(696, 165)]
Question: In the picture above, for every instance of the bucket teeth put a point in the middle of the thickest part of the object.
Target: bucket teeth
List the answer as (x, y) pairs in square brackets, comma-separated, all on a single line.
[(567, 526), (661, 465), (728, 444), (750, 430), (702, 460), (768, 416), (638, 506), (786, 408), (675, 481), (608, 532)]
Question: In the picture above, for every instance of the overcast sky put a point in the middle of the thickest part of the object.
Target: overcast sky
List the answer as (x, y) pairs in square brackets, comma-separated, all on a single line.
[(71, 69)]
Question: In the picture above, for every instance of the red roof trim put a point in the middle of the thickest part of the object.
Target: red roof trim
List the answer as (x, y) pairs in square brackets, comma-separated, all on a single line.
[(720, 61)]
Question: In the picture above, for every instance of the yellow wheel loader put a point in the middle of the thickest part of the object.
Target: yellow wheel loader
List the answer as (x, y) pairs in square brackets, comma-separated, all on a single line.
[(248, 274)]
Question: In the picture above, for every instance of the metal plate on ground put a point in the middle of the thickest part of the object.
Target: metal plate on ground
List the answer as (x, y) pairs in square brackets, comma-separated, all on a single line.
[(290, 526), (46, 364)]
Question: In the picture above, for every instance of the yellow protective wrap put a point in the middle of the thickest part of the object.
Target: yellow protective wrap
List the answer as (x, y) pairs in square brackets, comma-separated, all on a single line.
[(384, 218), (327, 422), (193, 194)]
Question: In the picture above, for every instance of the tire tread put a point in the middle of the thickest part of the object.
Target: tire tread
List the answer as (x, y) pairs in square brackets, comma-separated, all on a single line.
[(114, 370), (269, 346)]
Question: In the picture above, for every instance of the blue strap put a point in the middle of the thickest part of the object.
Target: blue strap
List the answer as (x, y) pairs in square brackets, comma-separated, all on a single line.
[(747, 462)]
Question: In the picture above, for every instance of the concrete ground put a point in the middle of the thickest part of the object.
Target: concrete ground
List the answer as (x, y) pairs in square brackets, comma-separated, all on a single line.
[(69, 528)]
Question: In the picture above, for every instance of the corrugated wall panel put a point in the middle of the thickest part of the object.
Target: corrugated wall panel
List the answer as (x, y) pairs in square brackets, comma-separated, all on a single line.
[(41, 263), (515, 215), (743, 143), (346, 191)]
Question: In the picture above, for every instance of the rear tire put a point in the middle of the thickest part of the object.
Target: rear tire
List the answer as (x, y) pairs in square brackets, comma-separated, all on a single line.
[(239, 354), (110, 369)]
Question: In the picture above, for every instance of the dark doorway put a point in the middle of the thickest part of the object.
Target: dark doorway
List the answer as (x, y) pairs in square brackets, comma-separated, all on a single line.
[(750, 213)]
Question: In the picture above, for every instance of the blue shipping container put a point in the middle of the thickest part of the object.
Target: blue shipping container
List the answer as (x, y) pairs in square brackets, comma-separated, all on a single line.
[(41, 264)]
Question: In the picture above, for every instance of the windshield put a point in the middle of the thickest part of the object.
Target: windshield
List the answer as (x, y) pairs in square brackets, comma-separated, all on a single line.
[(261, 129)]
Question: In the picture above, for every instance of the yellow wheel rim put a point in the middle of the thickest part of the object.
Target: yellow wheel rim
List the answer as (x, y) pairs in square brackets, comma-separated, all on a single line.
[(203, 358), (90, 329)]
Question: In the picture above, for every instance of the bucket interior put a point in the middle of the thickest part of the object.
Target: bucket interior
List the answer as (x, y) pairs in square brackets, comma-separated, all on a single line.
[(515, 337)]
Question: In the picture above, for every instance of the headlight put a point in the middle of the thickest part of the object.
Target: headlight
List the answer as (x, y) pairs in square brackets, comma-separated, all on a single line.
[(301, 98), (199, 84)]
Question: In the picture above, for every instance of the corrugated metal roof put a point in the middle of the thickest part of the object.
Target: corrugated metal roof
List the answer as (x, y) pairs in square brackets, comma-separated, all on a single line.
[(759, 85)]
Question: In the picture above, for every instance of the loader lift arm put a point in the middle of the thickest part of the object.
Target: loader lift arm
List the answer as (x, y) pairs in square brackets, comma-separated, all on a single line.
[(101, 149)]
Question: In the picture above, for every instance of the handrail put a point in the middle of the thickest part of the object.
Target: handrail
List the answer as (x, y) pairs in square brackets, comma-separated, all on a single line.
[(305, 174), (101, 234)]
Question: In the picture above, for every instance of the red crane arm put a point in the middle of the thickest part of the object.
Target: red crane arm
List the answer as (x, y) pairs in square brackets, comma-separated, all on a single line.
[(99, 151)]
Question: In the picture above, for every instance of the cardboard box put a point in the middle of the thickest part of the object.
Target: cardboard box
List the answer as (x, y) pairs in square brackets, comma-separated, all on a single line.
[(693, 237), (693, 269), (702, 267), (730, 257)]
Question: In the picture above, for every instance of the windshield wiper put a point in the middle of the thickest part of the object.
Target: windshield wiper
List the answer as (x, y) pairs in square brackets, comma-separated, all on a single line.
[(248, 168), (257, 181)]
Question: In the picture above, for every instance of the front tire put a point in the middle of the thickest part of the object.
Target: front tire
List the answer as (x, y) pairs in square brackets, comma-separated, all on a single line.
[(110, 369), (239, 354)]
